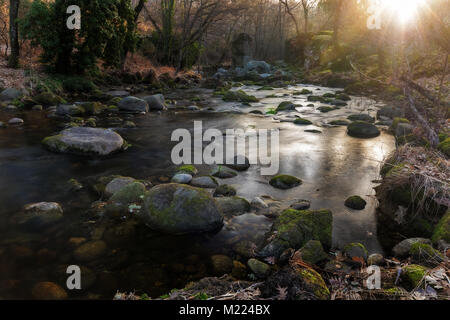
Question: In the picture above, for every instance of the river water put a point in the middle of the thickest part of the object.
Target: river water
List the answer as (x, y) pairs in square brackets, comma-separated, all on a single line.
[(332, 165)]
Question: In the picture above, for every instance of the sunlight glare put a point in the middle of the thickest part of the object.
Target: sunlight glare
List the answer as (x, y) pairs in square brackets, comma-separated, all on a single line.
[(404, 10)]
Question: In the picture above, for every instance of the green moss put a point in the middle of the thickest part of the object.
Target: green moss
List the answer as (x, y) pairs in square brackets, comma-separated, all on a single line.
[(356, 202), (397, 121), (301, 121), (240, 96), (442, 230), (444, 147), (189, 169), (356, 249), (298, 227), (413, 275), (285, 106), (312, 252), (329, 95), (284, 181), (339, 123), (424, 251), (326, 109), (201, 296), (272, 111), (315, 282), (306, 91)]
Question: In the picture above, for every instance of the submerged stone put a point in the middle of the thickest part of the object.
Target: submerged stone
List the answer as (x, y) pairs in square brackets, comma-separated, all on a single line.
[(181, 209)]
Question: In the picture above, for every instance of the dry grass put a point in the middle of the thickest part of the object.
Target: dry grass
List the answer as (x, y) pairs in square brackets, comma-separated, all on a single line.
[(425, 170)]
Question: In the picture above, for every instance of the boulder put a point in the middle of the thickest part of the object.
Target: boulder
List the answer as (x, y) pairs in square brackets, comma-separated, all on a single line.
[(15, 122), (301, 205), (312, 252), (221, 264), (402, 249), (375, 259), (361, 117), (240, 163), (293, 229), (285, 182), (356, 250), (130, 194), (69, 109), (181, 209), (133, 105), (39, 215), (260, 269), (206, 182), (117, 184), (223, 172), (182, 178), (90, 251), (225, 190), (286, 106), (48, 99), (258, 66), (356, 203), (360, 129), (232, 206), (85, 141), (10, 94), (156, 102)]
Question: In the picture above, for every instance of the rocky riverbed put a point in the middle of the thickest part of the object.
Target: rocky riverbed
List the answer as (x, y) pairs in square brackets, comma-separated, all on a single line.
[(92, 184)]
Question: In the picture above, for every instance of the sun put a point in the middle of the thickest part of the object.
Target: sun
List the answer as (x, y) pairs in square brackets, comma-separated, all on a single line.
[(403, 11)]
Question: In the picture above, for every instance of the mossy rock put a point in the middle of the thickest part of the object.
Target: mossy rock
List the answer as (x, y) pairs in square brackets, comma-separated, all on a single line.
[(240, 96), (225, 190), (413, 274), (285, 182), (339, 123), (343, 97), (293, 229), (286, 106), (48, 99), (302, 122), (120, 202), (232, 206), (223, 172), (260, 269), (93, 108), (312, 252), (329, 95), (316, 99), (356, 203), (444, 147), (189, 169), (361, 117), (305, 91), (313, 282), (181, 209), (90, 251), (360, 129), (356, 250), (326, 109), (442, 230), (396, 122), (221, 264), (424, 253)]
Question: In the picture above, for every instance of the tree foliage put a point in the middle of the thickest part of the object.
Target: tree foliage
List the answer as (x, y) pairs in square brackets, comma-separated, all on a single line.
[(107, 33)]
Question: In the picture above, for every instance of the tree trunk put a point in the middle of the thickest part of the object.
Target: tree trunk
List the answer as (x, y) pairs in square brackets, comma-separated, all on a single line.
[(337, 23), (13, 60)]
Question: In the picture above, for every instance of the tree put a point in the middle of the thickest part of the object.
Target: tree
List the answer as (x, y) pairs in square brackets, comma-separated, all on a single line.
[(107, 33), (13, 60)]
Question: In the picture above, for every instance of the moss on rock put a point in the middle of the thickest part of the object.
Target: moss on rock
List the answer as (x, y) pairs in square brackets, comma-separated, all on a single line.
[(442, 230), (285, 182), (413, 274), (356, 203)]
